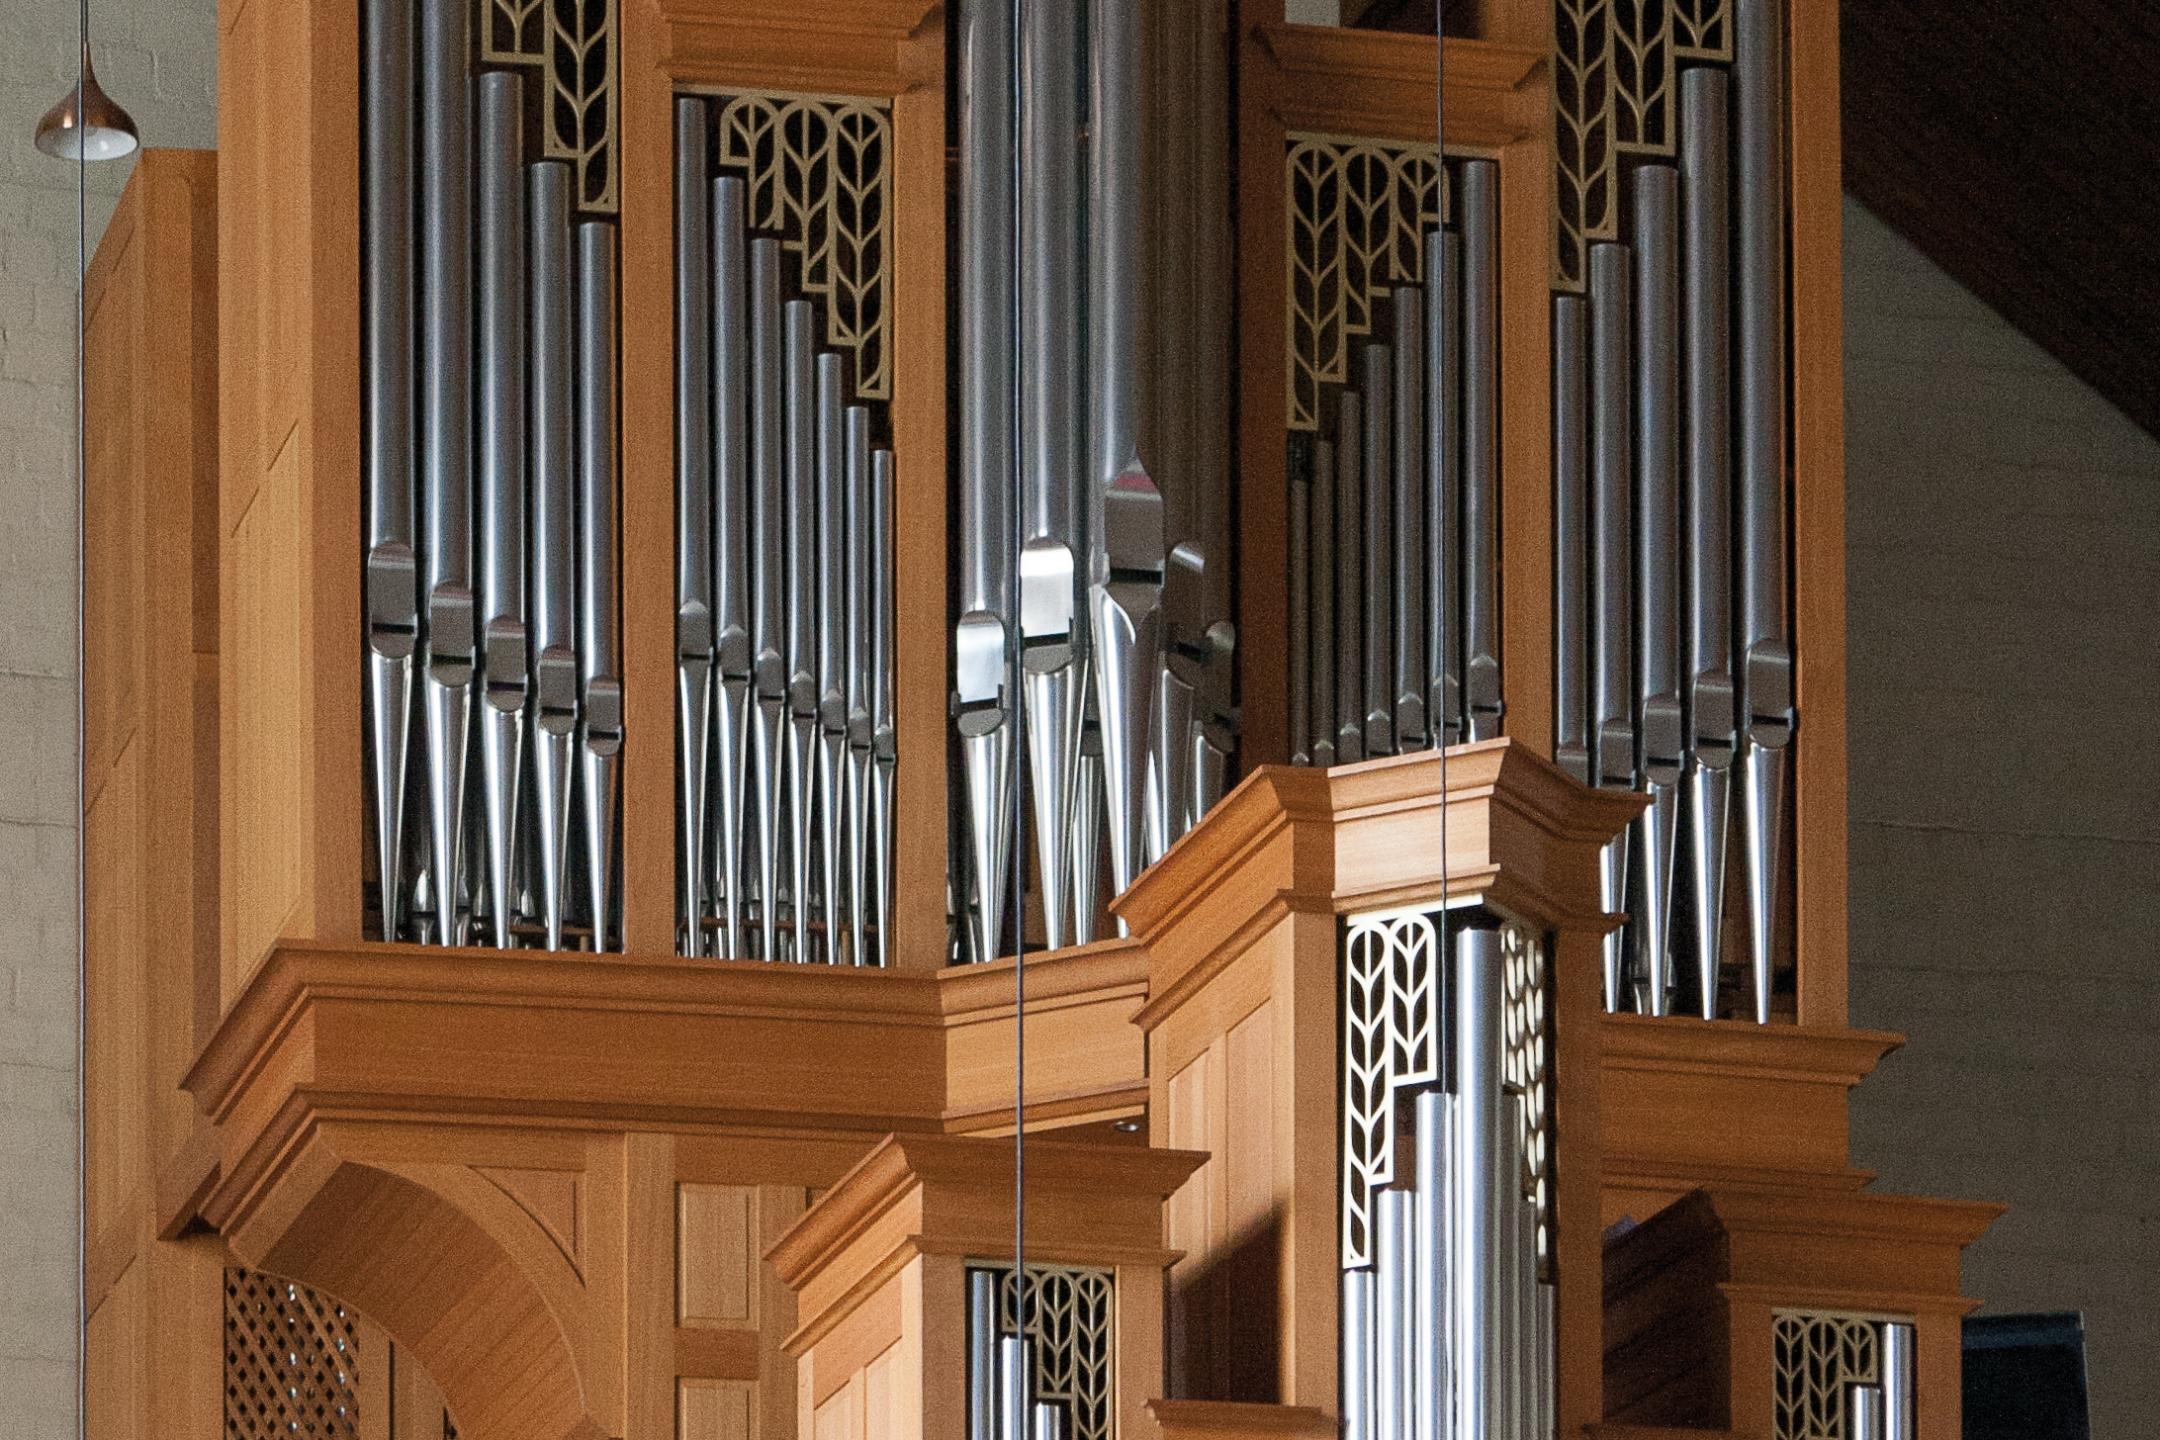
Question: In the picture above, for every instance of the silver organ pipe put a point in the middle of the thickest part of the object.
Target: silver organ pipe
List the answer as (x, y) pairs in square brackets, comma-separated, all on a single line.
[(1415, 442), (1480, 226), (1611, 571), (600, 718), (694, 488), (446, 346), (1900, 1381), (489, 418), (1321, 589), (784, 508), (505, 669), (981, 662), (982, 1355), (732, 449), (1686, 358), (1767, 699), (388, 339), (1300, 660), (1447, 1318), (555, 662), (1706, 670), (1657, 716)]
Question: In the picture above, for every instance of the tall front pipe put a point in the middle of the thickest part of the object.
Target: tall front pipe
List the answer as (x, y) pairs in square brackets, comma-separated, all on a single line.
[(1394, 1339), (1612, 562), (1766, 662), (1357, 1355), (1477, 1162), (1482, 697), (981, 660), (1052, 510), (393, 601), (1350, 578), (861, 657), (600, 723), (1900, 1381), (768, 573), (1176, 691), (831, 617), (1571, 539), (506, 666), (1413, 482), (1658, 732), (1433, 1113), (1378, 576), (446, 468), (982, 1355), (1127, 544), (801, 612), (884, 737), (554, 535), (1706, 665), (733, 448), (1321, 739), (694, 474)]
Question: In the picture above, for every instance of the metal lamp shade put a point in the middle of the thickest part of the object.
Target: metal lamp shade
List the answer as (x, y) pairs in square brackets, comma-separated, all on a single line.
[(87, 124)]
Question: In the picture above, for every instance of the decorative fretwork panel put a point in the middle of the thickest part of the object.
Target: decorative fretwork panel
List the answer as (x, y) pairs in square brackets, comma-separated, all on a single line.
[(1642, 76), (1818, 1358), (1359, 214), (572, 44), (1391, 1037), (1527, 1038), (818, 173), (1071, 1320), (1702, 29), (1585, 182), (291, 1357)]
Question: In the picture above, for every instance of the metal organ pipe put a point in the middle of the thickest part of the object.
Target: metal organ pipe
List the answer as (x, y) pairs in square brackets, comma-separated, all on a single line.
[(1766, 664), (861, 662), (830, 619), (1571, 539), (1658, 730), (1412, 678), (983, 711), (800, 581), (1444, 514), (1481, 447), (600, 722), (1706, 670), (554, 579), (732, 449), (1301, 562), (1349, 572), (1611, 570), (768, 607), (387, 441), (445, 225), (1321, 587), (1377, 572), (693, 504)]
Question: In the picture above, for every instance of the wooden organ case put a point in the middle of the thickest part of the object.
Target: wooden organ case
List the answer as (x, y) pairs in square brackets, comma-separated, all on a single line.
[(555, 743)]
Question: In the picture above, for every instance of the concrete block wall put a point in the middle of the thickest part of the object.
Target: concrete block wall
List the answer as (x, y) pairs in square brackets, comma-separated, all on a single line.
[(159, 58), (2004, 591)]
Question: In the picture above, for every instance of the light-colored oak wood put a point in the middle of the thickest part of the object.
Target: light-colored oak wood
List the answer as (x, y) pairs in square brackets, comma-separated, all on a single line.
[(877, 1268), (1241, 924)]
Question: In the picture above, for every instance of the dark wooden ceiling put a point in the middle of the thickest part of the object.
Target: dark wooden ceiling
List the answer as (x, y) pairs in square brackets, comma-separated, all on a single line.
[(2017, 145)]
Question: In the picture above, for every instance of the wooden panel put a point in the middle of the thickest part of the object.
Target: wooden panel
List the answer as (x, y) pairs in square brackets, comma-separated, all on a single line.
[(884, 1394), (113, 1353), (715, 1410), (719, 1254), (117, 1019), (840, 1416)]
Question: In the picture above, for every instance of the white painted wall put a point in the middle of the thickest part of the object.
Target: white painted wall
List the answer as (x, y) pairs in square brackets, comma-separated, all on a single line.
[(2004, 592), (158, 57)]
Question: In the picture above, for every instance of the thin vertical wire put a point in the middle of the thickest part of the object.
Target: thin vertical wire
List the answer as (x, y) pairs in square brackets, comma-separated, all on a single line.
[(82, 879)]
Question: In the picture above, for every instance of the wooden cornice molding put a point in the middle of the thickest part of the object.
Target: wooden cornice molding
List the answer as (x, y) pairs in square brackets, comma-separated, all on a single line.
[(851, 47), (1339, 80), (1234, 1420), (952, 1195), (1362, 837), (1799, 1052)]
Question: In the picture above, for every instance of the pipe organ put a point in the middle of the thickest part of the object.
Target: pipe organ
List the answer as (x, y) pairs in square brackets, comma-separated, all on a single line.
[(489, 355), (856, 505)]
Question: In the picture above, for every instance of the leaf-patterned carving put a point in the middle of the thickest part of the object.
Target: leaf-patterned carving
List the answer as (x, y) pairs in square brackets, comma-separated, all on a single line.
[(1817, 1358), (1585, 184), (1072, 1320), (578, 115)]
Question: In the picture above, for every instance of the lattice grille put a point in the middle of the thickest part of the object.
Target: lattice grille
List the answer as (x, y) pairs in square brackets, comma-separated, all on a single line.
[(291, 1357), (1585, 183), (1642, 76), (1527, 1038), (818, 174), (1391, 1037), (1818, 1357), (572, 44), (1071, 1319), (1359, 214), (1702, 29)]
